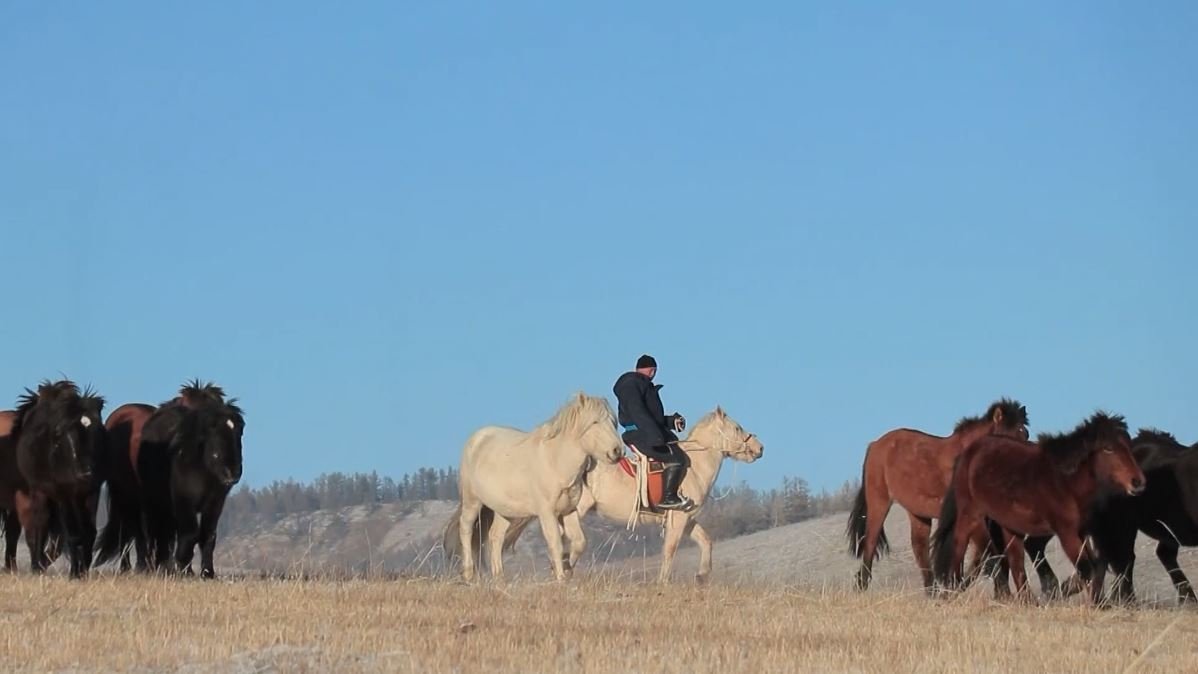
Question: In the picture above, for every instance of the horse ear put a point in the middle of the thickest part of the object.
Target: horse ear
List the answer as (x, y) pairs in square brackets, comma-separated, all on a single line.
[(719, 412), (997, 415)]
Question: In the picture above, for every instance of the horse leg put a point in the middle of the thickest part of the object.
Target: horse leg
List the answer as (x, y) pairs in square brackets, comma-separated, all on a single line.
[(90, 503), (1075, 548), (1015, 552), (877, 507), (996, 544), (699, 536), (471, 507), (921, 532), (209, 519), (34, 517), (1037, 549), (1166, 551), (12, 534), (572, 523), (187, 534), (72, 528), (499, 528), (551, 529), (675, 528)]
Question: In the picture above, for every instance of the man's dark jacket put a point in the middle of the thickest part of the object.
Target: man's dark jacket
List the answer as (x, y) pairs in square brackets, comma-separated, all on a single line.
[(640, 405)]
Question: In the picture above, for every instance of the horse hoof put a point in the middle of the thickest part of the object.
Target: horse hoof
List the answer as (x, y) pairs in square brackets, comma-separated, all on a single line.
[(701, 579)]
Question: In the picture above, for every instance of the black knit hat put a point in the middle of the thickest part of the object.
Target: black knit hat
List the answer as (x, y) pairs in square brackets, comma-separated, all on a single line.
[(645, 361)]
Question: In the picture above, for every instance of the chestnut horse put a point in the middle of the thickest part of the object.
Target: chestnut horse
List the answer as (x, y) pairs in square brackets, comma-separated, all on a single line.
[(124, 488), (1034, 489), (914, 468)]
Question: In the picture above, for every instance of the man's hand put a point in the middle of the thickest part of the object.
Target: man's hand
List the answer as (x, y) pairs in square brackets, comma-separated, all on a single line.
[(679, 422)]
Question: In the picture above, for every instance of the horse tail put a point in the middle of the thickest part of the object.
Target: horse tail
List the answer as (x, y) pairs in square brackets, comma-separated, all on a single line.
[(114, 537), (451, 540), (513, 533), (858, 523), (942, 538)]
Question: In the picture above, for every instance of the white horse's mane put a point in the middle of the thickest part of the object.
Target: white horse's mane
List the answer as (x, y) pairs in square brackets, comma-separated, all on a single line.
[(576, 415)]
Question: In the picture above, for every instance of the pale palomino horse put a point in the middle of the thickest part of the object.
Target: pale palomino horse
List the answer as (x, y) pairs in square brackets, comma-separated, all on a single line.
[(614, 494), (507, 474)]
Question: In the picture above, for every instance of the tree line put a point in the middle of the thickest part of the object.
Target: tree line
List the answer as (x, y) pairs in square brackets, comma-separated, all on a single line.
[(730, 511)]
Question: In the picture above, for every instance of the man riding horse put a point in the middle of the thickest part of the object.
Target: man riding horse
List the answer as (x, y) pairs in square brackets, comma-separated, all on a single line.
[(650, 430)]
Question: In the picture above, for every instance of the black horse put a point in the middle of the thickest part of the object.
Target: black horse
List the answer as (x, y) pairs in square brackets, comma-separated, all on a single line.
[(59, 440), (1167, 511), (189, 459)]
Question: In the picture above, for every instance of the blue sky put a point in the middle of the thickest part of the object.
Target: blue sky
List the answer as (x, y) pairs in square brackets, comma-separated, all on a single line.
[(383, 225)]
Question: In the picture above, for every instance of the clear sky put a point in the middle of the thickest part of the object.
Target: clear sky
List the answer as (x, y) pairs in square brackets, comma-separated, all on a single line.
[(382, 225)]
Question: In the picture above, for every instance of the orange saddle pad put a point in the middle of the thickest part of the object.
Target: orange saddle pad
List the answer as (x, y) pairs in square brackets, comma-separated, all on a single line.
[(655, 469)]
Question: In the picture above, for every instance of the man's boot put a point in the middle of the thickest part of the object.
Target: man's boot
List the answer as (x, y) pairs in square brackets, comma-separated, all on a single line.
[(671, 479)]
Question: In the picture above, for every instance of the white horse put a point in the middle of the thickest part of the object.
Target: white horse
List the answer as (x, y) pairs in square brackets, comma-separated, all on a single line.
[(614, 494), (507, 474)]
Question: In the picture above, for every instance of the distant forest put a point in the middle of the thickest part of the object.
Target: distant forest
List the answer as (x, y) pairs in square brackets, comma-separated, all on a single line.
[(732, 511)]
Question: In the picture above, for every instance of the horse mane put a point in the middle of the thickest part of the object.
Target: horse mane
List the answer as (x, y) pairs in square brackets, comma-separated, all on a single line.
[(196, 393), (1014, 415), (579, 409), (61, 392), (1068, 450), (1156, 435)]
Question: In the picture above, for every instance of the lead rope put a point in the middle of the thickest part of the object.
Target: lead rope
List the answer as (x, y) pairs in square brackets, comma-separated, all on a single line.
[(642, 489)]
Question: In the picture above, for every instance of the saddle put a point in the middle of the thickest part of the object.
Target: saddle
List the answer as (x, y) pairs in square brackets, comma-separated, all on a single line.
[(650, 488)]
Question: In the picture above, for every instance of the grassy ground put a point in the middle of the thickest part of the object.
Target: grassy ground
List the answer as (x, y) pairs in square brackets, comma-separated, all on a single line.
[(585, 625)]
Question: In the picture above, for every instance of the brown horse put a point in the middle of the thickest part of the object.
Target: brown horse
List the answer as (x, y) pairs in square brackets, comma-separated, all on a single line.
[(11, 482), (1034, 489), (914, 468), (124, 487)]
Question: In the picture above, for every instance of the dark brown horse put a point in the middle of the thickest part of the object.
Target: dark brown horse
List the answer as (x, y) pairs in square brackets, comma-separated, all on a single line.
[(914, 468), (124, 527), (185, 458), (59, 439), (1167, 511), (13, 489), (1034, 489)]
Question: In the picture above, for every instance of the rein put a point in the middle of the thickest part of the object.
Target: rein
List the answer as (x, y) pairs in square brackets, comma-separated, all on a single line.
[(741, 451)]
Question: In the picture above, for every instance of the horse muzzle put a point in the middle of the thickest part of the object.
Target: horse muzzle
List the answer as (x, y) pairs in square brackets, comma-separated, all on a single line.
[(1137, 487)]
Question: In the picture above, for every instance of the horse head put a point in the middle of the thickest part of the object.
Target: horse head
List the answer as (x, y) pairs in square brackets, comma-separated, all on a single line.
[(1103, 442), (59, 433), (721, 432), (1008, 417), (590, 422), (210, 431)]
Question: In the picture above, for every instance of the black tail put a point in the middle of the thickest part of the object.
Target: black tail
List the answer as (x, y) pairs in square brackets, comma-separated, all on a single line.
[(942, 539), (855, 530), (117, 534)]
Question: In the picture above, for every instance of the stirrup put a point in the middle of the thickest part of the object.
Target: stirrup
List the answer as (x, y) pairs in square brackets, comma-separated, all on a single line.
[(683, 504)]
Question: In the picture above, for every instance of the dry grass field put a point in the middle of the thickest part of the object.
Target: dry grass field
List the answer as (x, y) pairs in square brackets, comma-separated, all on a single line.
[(591, 624)]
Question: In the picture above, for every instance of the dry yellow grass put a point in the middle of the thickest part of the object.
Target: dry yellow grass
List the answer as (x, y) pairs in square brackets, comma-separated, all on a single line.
[(585, 625)]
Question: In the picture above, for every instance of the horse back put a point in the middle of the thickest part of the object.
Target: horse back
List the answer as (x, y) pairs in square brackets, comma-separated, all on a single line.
[(124, 427), (10, 477), (915, 466)]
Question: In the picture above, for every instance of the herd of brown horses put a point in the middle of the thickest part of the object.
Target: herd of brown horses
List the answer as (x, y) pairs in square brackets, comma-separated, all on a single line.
[(993, 488), (168, 470)]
